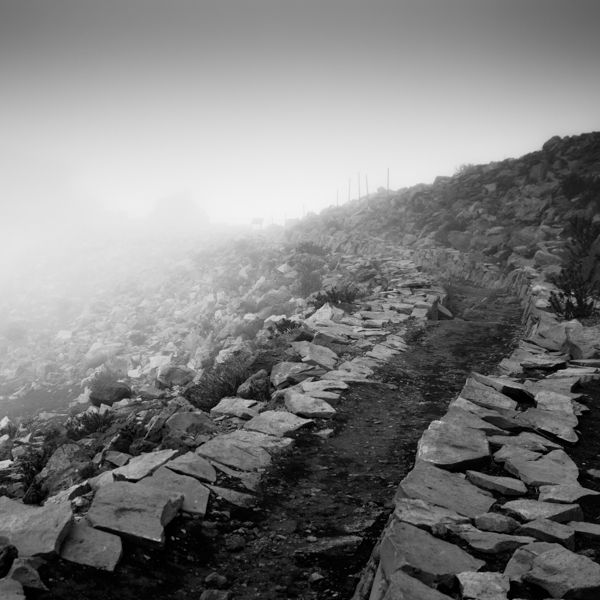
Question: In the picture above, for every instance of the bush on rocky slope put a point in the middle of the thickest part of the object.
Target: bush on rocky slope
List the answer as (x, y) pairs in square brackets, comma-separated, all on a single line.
[(577, 283)]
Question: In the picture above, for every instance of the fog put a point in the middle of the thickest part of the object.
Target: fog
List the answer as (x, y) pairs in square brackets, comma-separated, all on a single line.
[(149, 120)]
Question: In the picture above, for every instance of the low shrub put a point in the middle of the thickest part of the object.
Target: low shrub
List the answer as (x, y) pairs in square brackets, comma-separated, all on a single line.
[(587, 187), (86, 423), (346, 294), (311, 248), (217, 382), (578, 286)]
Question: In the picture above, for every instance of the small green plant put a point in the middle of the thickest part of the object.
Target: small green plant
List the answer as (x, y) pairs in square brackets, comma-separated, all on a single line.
[(311, 248), (86, 423), (309, 278), (464, 168), (217, 382), (286, 325), (346, 294), (578, 284), (587, 187), (34, 459)]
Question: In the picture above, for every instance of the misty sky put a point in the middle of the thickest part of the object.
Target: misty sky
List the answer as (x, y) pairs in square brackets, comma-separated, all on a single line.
[(259, 107)]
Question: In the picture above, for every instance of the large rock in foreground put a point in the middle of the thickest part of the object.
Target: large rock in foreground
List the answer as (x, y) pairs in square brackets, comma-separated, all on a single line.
[(35, 530), (88, 546), (134, 511)]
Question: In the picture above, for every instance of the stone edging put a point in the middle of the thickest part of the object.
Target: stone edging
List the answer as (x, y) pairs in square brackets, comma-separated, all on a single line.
[(443, 497)]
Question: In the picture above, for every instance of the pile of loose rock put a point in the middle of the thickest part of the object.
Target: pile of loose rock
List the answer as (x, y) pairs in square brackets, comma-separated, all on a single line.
[(184, 456)]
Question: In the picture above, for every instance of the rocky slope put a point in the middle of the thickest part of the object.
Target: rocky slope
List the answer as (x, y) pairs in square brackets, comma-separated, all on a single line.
[(182, 378)]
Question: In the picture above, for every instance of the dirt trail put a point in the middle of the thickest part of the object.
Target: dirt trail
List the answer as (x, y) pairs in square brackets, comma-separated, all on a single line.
[(327, 501)]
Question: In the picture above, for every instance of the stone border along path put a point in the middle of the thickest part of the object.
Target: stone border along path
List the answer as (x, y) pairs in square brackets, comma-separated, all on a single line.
[(138, 496), (527, 428)]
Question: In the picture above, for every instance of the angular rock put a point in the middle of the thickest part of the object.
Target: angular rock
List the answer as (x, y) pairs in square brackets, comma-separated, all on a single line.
[(530, 510), (444, 489), (427, 516), (526, 440), (485, 396), (63, 467), (522, 559), (11, 590), (453, 447), (88, 546), (515, 453), (552, 401), (483, 586), (133, 511), (420, 555), (286, 373), (502, 418), (404, 587), (316, 355), (192, 465), (544, 362), (195, 495), (554, 468), (586, 530), (464, 418), (496, 522), (564, 574), (557, 424), (549, 531), (504, 485), (191, 422), (255, 387), (233, 497), (235, 407), (34, 530), (276, 423), (144, 465), (490, 542), (307, 406), (512, 389), (24, 570), (567, 494)]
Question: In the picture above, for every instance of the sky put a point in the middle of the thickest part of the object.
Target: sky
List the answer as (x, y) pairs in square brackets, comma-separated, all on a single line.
[(272, 108)]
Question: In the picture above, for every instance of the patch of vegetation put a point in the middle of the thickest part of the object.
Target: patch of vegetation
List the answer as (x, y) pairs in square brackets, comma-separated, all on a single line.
[(217, 382), (311, 248), (587, 187), (309, 278), (137, 338), (34, 459), (285, 326), (578, 286), (84, 424), (346, 294), (105, 382), (464, 168)]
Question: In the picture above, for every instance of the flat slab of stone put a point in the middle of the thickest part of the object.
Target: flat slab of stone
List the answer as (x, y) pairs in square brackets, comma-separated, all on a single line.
[(322, 385), (549, 531), (425, 515), (195, 495), (404, 587), (530, 510), (485, 396), (244, 450), (502, 418), (286, 373), (134, 511), (557, 424), (464, 418), (235, 407), (586, 530), (316, 355), (527, 440), (233, 497), (88, 546), (192, 465), (566, 494), (423, 556), (545, 362), (277, 423), (504, 485), (553, 401), (381, 352), (513, 389), (515, 453), (144, 465), (445, 489), (35, 530), (553, 468), (490, 542), (563, 573), (308, 406), (453, 447), (483, 586), (522, 559), (496, 522)]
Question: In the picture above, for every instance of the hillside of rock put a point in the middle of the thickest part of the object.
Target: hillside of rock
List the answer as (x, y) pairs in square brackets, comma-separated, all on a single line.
[(150, 391)]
